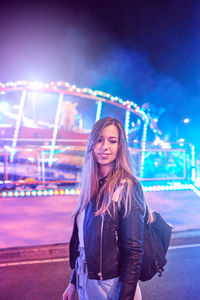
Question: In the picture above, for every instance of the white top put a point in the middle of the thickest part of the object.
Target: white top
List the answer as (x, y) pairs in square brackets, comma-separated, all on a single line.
[(80, 220)]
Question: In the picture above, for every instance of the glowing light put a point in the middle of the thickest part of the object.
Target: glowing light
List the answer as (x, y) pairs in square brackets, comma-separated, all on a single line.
[(34, 193), (18, 124), (143, 146), (57, 119), (72, 192), (186, 121), (4, 106), (174, 187), (45, 192), (127, 121), (193, 163), (68, 88), (181, 140), (197, 182), (99, 107), (36, 85), (50, 192)]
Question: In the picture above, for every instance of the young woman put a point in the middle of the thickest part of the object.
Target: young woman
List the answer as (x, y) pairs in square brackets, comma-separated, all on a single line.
[(106, 246)]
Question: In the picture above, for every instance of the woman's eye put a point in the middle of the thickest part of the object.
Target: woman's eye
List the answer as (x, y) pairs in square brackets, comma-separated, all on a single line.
[(113, 142)]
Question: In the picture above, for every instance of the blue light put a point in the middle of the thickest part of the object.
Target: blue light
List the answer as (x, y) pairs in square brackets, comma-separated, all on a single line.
[(98, 114), (39, 193), (51, 192), (66, 191), (45, 192)]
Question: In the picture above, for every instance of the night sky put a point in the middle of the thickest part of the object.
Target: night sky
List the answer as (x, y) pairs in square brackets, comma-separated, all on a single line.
[(147, 51)]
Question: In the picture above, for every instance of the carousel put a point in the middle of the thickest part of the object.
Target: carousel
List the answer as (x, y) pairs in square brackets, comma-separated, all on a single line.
[(44, 129)]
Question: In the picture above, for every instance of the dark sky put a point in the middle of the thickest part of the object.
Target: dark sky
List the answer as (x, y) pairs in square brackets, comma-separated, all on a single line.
[(146, 50)]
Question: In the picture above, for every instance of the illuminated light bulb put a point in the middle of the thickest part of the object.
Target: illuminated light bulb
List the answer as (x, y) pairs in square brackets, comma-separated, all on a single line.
[(39, 193), (22, 193), (186, 120), (51, 192), (34, 193), (56, 192), (66, 191), (45, 192), (72, 191)]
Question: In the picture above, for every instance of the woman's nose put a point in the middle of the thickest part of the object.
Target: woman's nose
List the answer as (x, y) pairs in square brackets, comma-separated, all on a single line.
[(105, 145)]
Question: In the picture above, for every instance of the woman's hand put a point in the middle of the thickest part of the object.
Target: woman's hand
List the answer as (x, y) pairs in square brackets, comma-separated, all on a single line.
[(69, 293)]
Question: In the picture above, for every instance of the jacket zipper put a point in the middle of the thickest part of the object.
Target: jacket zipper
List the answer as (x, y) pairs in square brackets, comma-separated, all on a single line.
[(101, 249)]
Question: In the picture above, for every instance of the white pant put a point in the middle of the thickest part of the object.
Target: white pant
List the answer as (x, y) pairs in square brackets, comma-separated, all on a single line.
[(90, 289)]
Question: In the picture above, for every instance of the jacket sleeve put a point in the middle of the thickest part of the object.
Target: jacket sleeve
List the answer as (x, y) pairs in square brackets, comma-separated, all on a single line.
[(131, 230), (73, 277)]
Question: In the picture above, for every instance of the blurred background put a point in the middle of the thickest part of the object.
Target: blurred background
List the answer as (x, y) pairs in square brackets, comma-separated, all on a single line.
[(63, 66)]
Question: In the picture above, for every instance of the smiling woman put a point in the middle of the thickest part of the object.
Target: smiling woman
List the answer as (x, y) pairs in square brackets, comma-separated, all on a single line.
[(106, 246), (106, 149)]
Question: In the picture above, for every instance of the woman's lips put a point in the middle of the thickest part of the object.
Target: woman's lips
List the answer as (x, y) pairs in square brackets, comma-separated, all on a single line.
[(104, 155)]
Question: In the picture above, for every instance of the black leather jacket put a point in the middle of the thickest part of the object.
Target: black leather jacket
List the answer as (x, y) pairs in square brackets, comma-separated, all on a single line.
[(113, 246)]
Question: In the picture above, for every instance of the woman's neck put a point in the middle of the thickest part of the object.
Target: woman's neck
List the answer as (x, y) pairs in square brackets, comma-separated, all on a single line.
[(104, 170)]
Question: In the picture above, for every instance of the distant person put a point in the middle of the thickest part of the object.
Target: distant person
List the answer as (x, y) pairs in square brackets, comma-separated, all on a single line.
[(106, 246)]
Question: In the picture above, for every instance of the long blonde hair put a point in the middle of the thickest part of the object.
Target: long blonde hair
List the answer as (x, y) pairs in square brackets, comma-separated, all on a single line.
[(122, 169)]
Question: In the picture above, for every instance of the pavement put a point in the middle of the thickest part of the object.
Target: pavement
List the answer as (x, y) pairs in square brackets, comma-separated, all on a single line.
[(33, 221), (34, 252), (42, 272)]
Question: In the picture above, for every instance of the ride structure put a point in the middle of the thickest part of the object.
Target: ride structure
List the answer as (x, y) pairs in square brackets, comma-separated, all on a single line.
[(44, 129)]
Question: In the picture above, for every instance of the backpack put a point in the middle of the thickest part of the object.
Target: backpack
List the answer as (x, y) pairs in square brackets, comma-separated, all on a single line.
[(157, 235)]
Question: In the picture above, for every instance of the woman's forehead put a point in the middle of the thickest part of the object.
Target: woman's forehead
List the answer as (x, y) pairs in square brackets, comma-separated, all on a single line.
[(110, 130)]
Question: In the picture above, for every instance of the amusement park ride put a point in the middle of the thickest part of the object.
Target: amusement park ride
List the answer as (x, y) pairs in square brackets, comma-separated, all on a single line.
[(43, 134)]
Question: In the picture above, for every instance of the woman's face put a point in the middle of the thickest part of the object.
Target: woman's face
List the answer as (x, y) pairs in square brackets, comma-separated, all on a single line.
[(106, 148)]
